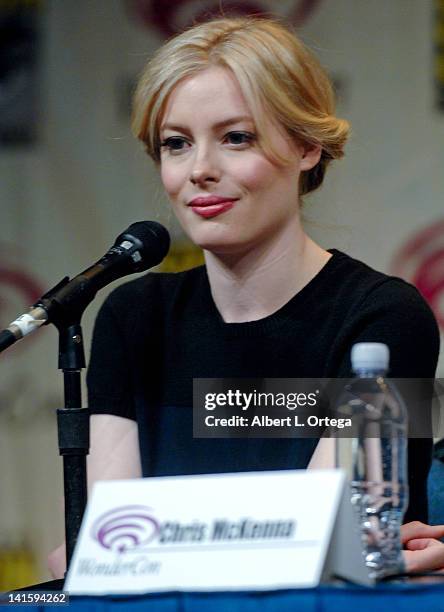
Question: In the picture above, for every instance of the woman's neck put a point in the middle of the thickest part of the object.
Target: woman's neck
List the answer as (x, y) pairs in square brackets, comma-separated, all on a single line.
[(259, 282)]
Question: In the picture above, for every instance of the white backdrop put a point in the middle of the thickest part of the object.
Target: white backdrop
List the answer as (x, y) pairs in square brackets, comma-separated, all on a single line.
[(65, 199)]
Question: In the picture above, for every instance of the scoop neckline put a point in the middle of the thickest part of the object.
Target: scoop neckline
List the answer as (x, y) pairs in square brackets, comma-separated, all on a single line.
[(282, 315)]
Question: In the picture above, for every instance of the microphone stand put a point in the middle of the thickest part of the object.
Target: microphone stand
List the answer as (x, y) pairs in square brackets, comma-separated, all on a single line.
[(72, 421), (73, 432)]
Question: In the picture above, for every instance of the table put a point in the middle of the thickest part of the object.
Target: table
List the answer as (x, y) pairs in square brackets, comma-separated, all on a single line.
[(395, 598)]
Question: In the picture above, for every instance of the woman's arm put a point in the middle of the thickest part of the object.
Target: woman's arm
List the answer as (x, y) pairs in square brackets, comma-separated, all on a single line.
[(324, 456), (114, 451), (114, 455)]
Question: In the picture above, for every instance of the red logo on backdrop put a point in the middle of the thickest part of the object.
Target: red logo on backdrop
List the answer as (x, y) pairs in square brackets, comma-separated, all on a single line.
[(171, 16), (18, 291), (421, 262)]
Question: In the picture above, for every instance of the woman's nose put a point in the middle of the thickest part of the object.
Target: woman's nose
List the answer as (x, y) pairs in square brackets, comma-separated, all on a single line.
[(205, 170)]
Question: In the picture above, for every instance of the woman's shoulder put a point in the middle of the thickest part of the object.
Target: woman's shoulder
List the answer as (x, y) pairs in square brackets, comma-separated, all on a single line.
[(155, 288), (138, 309), (361, 282), (383, 308)]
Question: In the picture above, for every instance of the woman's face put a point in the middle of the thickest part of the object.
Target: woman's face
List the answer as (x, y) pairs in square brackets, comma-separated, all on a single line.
[(226, 194)]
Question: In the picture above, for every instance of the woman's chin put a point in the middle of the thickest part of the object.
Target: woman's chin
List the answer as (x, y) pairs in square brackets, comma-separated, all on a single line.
[(222, 242), (233, 251), (221, 248), (228, 242)]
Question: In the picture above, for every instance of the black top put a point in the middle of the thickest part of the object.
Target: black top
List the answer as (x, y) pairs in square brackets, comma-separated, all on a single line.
[(155, 334)]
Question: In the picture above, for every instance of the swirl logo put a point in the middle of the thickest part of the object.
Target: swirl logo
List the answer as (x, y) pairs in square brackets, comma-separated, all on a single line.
[(421, 262), (18, 289), (175, 15), (125, 528)]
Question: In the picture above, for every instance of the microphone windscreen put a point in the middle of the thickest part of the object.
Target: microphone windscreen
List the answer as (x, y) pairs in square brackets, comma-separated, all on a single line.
[(154, 242)]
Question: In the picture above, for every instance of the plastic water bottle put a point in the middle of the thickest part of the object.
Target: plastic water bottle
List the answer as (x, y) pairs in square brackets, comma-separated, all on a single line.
[(375, 458)]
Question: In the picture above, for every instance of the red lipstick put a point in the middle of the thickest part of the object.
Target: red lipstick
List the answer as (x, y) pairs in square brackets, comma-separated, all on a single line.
[(211, 206)]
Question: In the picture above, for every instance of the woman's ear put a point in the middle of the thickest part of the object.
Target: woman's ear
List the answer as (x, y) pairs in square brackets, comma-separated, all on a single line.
[(311, 155)]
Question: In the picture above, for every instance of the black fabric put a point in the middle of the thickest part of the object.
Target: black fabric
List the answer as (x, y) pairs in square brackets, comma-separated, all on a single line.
[(51, 585), (438, 450), (155, 334)]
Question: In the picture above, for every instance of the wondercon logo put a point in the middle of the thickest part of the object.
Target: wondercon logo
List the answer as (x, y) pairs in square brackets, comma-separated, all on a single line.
[(421, 262), (18, 287), (125, 528), (173, 16)]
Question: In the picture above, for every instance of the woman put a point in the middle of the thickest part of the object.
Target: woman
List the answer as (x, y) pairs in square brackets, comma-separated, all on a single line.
[(239, 118)]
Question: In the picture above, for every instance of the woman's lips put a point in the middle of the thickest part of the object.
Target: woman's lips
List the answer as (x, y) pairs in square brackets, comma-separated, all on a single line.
[(211, 210)]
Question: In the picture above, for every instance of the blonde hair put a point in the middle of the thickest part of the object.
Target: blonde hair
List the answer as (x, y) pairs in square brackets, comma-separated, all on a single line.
[(277, 74)]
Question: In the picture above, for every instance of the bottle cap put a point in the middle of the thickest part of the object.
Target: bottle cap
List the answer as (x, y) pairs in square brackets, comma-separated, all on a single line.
[(370, 356)]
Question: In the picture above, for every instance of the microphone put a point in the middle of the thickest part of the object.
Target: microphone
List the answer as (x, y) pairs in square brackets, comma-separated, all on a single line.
[(143, 245)]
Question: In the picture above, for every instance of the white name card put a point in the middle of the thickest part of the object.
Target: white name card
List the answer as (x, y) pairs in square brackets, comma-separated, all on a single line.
[(248, 531)]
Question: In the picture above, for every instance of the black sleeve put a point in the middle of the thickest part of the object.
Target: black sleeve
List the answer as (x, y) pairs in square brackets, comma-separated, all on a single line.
[(109, 376), (395, 313)]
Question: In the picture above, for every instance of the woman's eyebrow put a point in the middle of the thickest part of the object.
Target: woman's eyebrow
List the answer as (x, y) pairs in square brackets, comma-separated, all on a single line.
[(219, 124)]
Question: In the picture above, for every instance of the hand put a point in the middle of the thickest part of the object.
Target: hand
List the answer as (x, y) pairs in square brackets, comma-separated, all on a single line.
[(57, 561), (424, 552)]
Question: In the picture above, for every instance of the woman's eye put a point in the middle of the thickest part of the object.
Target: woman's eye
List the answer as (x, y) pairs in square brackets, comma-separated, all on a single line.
[(174, 143), (239, 138), (177, 144)]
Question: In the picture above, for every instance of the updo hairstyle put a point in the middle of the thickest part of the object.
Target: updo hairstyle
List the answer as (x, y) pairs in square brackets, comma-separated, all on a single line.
[(278, 76)]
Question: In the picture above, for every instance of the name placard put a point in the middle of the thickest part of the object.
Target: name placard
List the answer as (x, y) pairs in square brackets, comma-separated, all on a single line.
[(245, 531)]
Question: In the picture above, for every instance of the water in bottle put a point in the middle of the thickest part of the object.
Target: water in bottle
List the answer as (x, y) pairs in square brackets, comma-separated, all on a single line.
[(375, 458)]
